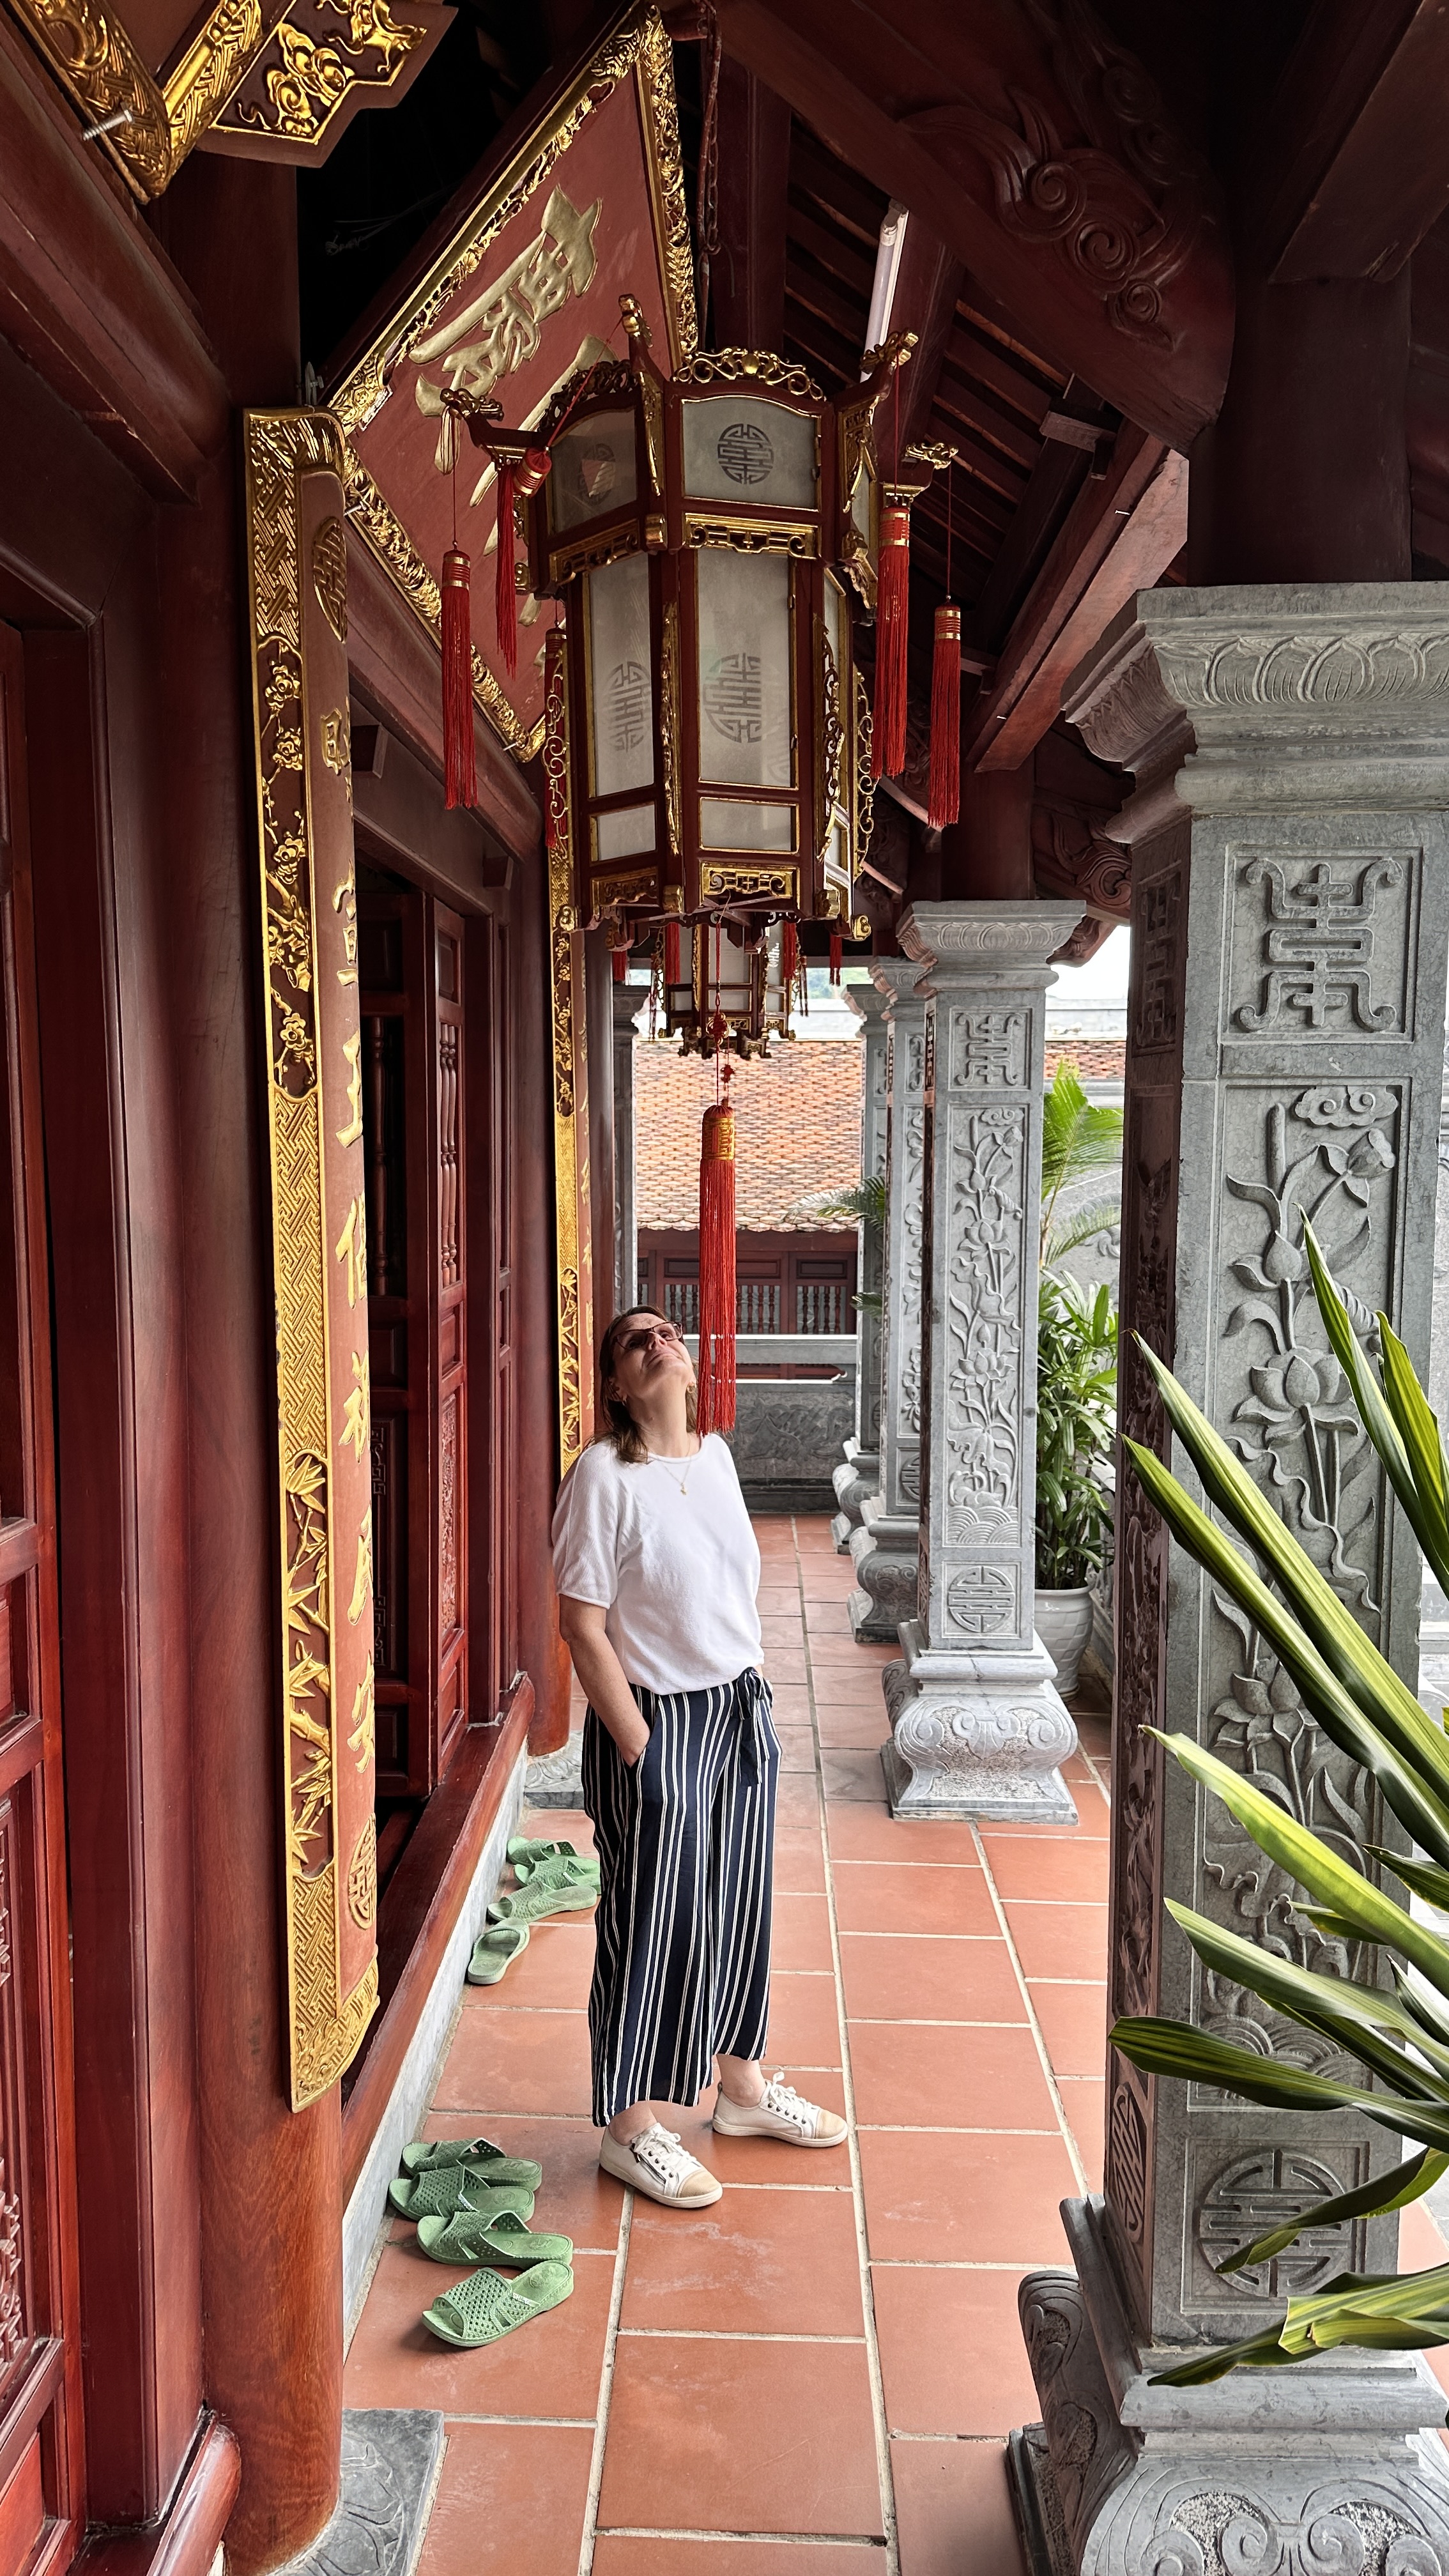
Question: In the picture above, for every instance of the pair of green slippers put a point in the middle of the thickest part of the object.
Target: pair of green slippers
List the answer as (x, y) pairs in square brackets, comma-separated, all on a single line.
[(553, 1878), (470, 2199)]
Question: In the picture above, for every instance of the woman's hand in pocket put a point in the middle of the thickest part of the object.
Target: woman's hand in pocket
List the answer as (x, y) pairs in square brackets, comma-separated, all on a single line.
[(634, 1746)]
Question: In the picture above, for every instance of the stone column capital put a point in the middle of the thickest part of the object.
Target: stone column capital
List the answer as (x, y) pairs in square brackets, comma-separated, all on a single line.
[(895, 979), (628, 1002), (869, 1004), (984, 943), (1275, 697)]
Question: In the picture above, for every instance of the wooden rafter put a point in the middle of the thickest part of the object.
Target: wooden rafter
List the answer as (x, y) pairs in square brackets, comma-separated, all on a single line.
[(1122, 532), (748, 277), (1349, 164), (952, 111)]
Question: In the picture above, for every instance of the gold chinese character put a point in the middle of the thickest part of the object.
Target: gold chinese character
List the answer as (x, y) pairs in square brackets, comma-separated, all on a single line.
[(344, 901), (362, 1583), (501, 329), (364, 1726), (352, 1248), (357, 1412), (352, 1049)]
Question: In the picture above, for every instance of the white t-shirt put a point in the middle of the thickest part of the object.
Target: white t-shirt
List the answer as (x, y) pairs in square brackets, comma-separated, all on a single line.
[(677, 1575)]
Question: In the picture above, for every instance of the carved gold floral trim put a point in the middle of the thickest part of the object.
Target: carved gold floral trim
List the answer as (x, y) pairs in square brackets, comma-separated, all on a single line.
[(153, 124)]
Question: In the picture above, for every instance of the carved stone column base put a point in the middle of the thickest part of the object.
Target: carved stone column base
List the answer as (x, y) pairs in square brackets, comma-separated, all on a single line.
[(976, 1734), (855, 1479), (885, 1551), (1298, 2472)]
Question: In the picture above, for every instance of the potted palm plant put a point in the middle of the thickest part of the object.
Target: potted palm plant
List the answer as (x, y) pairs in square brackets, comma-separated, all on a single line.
[(1076, 1374), (1399, 2034), (1076, 1425)]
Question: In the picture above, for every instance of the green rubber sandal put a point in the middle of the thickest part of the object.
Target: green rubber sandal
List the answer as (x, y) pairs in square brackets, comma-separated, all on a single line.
[(525, 1853), (485, 2307), (489, 2163), (469, 2237), (494, 1952), (574, 1890), (548, 1861), (455, 2187)]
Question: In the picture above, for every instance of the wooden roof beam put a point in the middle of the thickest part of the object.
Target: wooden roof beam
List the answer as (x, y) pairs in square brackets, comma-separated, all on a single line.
[(956, 112), (1349, 163), (747, 280), (1121, 534)]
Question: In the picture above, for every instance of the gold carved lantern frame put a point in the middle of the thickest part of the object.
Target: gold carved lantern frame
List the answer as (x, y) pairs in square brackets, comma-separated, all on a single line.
[(704, 531)]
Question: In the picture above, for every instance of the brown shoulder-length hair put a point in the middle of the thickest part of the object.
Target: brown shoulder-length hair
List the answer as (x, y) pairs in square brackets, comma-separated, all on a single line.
[(616, 1423)]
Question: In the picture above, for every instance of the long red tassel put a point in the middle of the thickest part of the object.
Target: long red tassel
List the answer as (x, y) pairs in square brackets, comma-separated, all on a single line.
[(716, 1396), (671, 953), (837, 955), (943, 801), (621, 965), (460, 768), (505, 593), (888, 735)]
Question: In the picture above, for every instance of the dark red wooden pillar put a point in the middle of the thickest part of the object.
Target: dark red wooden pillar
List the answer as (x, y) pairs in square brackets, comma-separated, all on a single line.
[(1305, 475), (986, 857), (270, 2206)]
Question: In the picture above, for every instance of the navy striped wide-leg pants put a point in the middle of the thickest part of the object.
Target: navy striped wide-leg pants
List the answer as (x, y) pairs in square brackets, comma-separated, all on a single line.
[(685, 1841)]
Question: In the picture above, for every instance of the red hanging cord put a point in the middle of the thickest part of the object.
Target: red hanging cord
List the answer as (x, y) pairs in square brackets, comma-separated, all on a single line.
[(460, 767), (943, 798), (892, 606)]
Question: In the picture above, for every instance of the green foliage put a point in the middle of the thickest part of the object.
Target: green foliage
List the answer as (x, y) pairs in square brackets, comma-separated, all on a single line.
[(1078, 1136), (1075, 1427), (1400, 2037), (864, 1203)]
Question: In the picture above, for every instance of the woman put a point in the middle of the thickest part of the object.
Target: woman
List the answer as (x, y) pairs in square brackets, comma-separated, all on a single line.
[(656, 1569)]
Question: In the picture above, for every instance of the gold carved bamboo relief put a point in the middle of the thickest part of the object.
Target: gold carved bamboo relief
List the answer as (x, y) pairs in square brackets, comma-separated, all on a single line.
[(312, 1036)]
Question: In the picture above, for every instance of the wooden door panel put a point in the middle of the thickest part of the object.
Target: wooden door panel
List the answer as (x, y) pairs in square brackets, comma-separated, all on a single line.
[(41, 2494), (450, 1332)]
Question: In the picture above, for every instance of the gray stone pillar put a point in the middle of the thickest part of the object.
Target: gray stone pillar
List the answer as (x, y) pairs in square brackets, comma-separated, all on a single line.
[(978, 1725), (884, 1548), (1290, 902), (627, 1000), (858, 1474)]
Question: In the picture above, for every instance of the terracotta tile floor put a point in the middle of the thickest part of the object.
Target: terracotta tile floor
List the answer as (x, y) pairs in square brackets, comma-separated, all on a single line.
[(830, 2356)]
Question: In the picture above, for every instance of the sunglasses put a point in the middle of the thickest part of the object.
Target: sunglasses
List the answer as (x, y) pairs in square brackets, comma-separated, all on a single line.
[(633, 1343)]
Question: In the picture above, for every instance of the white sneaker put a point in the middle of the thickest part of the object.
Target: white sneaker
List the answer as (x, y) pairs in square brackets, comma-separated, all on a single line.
[(655, 2163), (780, 2113)]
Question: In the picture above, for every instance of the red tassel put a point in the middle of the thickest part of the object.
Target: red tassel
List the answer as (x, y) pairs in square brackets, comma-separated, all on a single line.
[(943, 802), (888, 737), (837, 954), (715, 1400), (506, 594), (621, 965), (671, 953), (460, 766)]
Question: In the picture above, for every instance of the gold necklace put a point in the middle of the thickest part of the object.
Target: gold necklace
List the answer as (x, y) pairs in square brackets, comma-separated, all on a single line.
[(682, 1482)]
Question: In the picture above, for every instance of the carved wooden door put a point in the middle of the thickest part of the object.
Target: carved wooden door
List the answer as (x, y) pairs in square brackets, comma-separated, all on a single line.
[(411, 959), (41, 2499), (450, 1332)]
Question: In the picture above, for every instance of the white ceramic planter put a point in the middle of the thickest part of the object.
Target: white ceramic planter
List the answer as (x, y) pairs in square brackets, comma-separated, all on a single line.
[(1064, 1624)]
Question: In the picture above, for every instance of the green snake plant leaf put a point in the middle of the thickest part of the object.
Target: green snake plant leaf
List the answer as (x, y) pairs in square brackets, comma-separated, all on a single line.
[(1355, 2017), (1389, 2191), (1306, 1858), (1356, 1663), (1418, 1805), (1425, 1880), (1396, 1416)]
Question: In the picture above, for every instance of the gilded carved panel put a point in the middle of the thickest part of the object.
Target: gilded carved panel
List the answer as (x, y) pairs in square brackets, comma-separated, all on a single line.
[(524, 295), (312, 1039)]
